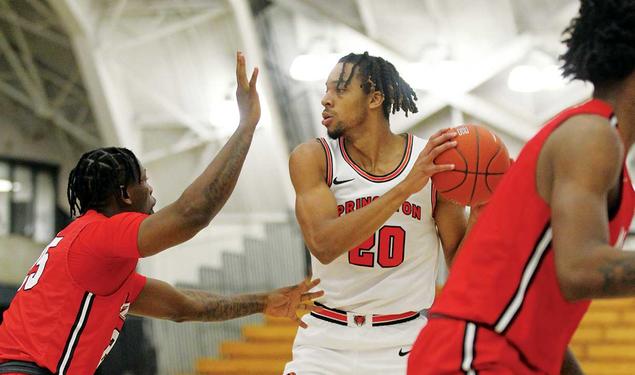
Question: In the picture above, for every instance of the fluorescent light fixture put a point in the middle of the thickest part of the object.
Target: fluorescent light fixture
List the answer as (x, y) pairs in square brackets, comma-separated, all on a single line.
[(313, 67), (553, 79), (446, 76), (5, 186), (225, 114), (531, 78)]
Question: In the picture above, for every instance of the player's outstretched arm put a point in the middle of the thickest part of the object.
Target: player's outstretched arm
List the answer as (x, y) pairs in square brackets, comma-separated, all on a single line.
[(579, 165), (161, 300), (202, 200), (328, 235)]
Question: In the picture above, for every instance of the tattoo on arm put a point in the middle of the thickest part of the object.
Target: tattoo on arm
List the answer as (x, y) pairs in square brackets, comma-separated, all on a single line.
[(618, 275), (222, 185), (215, 307)]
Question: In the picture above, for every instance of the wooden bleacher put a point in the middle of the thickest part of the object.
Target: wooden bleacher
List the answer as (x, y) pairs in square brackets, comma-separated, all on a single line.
[(605, 341), (604, 344), (264, 350)]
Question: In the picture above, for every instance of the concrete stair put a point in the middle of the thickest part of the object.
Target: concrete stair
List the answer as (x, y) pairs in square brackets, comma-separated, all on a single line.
[(264, 350), (605, 340)]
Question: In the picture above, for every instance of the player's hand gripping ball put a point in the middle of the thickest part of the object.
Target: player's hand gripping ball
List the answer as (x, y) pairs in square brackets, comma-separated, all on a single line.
[(480, 159)]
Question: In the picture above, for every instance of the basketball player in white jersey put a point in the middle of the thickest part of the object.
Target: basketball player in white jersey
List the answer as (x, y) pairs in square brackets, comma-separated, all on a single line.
[(372, 224)]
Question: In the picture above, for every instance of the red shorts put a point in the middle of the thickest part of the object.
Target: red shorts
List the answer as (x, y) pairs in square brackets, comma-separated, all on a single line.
[(449, 346)]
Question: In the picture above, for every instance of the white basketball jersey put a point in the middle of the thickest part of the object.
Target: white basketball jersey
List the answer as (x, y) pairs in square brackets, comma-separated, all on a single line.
[(395, 269)]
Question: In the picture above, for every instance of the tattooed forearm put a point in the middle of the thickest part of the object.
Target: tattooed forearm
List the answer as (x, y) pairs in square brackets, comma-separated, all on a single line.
[(221, 187), (209, 192), (212, 307), (618, 275)]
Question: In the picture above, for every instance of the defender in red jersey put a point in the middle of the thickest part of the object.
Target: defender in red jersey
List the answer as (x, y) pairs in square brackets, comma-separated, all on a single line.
[(549, 240), (68, 313)]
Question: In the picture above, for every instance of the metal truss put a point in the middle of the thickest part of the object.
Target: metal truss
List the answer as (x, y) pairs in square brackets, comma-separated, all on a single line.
[(364, 24), (48, 94)]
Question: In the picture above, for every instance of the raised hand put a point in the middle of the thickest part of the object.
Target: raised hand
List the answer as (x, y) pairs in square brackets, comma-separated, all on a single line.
[(246, 94), (424, 166), (284, 302)]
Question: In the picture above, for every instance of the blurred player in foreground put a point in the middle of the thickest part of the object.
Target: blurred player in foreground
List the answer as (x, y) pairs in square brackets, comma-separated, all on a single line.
[(550, 238)]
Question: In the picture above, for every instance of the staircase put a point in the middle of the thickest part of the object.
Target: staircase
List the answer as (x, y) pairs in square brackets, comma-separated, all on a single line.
[(266, 263), (264, 350), (604, 343)]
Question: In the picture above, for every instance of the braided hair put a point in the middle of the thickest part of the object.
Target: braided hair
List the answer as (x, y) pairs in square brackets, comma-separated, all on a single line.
[(601, 42), (379, 74), (98, 175)]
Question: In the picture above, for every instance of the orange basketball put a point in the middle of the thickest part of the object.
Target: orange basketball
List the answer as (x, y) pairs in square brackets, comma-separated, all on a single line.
[(480, 159)]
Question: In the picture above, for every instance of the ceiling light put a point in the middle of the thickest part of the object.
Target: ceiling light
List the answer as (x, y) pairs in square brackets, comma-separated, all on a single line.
[(313, 67), (6, 186), (531, 78), (225, 114)]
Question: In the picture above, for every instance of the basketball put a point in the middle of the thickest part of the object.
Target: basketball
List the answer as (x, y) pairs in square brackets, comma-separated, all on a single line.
[(480, 160)]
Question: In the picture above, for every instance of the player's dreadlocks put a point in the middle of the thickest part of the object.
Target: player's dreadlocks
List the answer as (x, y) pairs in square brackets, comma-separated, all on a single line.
[(99, 174), (379, 74), (601, 42)]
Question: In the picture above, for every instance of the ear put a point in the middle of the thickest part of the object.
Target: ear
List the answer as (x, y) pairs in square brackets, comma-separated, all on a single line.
[(376, 99), (124, 196)]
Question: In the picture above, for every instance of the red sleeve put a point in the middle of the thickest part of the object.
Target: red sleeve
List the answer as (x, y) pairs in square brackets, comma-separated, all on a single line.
[(138, 284), (105, 253), (113, 237)]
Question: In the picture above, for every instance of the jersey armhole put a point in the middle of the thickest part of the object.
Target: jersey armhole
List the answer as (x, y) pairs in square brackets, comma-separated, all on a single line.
[(329, 161), (433, 197)]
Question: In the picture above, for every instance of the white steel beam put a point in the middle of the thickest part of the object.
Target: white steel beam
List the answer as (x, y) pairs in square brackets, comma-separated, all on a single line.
[(310, 10), (36, 29), (251, 42), (61, 82), (15, 94), (198, 127), (313, 12), (186, 143), (111, 22), (56, 118), (167, 30), (503, 120), (427, 105), (16, 64), (81, 115), (88, 139), (170, 7), (44, 11), (113, 125), (70, 13), (459, 98), (368, 19), (499, 60), (40, 98), (65, 90)]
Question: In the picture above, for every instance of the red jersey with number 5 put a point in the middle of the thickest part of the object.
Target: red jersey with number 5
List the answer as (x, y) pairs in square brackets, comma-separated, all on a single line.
[(504, 277), (68, 312)]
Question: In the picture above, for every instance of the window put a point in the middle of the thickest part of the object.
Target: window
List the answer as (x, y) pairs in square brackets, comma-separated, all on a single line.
[(5, 187), (28, 192)]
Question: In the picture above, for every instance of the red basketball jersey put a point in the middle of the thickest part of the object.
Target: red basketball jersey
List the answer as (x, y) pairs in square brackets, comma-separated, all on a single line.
[(505, 276), (57, 322)]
